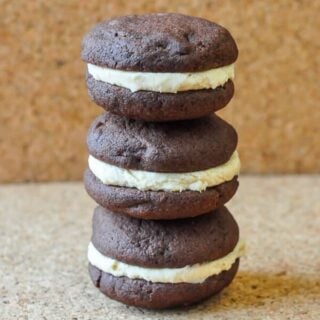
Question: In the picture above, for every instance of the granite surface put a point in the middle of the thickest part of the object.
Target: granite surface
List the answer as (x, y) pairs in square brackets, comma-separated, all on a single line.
[(46, 110), (45, 229)]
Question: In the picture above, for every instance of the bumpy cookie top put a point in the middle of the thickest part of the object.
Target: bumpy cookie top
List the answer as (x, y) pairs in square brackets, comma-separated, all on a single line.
[(181, 146), (159, 42), (163, 243)]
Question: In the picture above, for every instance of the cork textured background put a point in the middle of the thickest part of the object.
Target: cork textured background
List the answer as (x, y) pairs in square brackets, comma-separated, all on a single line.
[(45, 110)]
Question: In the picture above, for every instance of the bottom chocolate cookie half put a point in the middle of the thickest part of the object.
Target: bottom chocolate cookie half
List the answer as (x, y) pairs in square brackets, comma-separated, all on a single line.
[(158, 204), (156, 106), (141, 293)]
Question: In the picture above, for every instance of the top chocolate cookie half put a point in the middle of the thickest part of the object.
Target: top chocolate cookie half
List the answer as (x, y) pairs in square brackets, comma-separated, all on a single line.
[(161, 42), (182, 146)]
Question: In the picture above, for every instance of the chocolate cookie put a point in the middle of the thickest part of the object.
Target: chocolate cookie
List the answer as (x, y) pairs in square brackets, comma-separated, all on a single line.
[(156, 106), (154, 45), (155, 250), (158, 204), (145, 294), (183, 146), (159, 42), (164, 243)]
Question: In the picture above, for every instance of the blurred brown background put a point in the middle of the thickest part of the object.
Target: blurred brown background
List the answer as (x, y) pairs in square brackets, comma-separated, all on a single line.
[(45, 110)]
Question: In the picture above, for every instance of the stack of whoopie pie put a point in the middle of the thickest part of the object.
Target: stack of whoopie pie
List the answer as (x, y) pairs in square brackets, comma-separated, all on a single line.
[(162, 164)]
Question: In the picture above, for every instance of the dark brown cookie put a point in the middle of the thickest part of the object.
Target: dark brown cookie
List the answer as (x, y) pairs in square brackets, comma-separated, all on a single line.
[(145, 294), (182, 146), (164, 243), (166, 42), (155, 106), (158, 204)]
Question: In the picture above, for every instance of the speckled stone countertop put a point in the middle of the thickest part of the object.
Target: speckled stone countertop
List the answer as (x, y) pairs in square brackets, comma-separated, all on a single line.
[(45, 229)]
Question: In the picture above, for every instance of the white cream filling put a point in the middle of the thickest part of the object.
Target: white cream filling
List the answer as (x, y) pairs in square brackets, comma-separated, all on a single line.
[(196, 273), (147, 180), (163, 81)]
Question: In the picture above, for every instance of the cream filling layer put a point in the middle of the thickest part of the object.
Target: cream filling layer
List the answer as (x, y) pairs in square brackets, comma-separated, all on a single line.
[(163, 81), (196, 273), (156, 181)]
